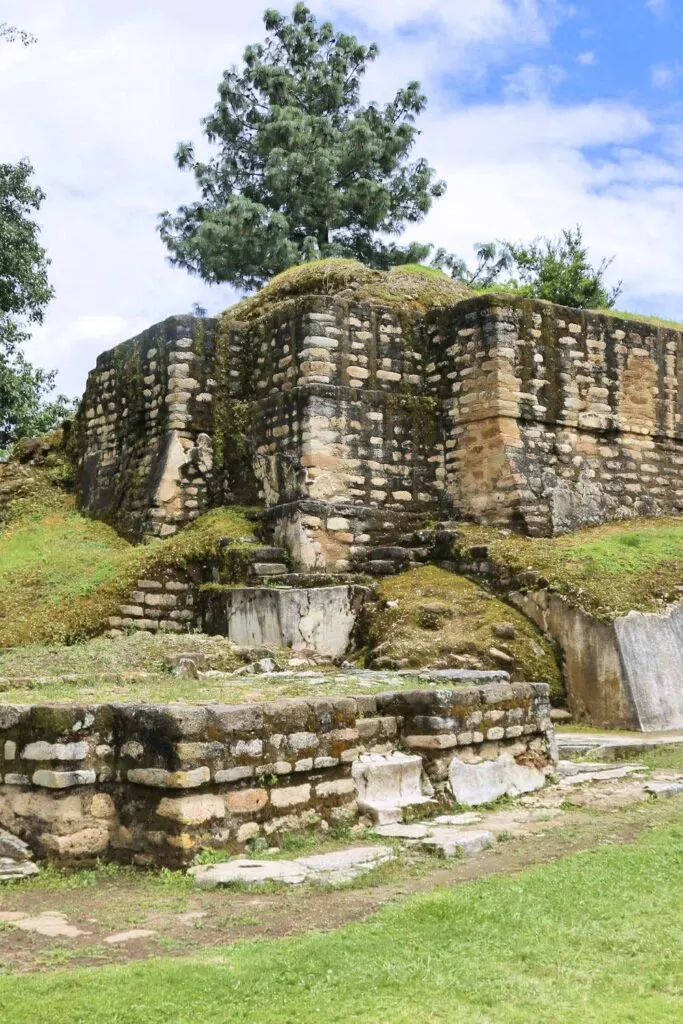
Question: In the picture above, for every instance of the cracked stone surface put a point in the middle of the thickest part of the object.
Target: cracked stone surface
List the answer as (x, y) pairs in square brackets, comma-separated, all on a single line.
[(665, 789), (50, 924), (14, 870), (135, 933), (337, 867)]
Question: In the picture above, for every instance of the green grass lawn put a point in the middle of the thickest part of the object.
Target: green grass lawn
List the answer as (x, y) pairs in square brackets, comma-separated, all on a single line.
[(597, 937)]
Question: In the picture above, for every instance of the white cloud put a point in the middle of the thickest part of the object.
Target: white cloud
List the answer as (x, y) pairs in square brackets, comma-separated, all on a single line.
[(101, 101), (588, 58), (664, 76), (533, 82), (658, 7), (467, 22), (522, 170)]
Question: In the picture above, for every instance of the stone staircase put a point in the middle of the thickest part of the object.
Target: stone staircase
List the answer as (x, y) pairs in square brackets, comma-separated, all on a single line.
[(411, 549)]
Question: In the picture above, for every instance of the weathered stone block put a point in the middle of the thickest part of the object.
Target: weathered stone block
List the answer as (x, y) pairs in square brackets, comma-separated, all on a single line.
[(291, 796), (62, 780), (247, 801), (192, 810), (162, 779), (42, 751)]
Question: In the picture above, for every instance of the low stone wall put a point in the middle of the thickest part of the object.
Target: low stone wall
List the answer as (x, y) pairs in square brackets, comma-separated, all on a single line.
[(168, 604), (152, 784)]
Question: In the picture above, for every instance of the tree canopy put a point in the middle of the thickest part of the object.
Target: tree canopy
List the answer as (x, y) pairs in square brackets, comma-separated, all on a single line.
[(24, 293), (557, 269), (302, 169)]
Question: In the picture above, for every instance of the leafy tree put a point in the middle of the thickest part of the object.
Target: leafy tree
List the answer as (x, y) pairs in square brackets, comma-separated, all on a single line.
[(24, 293), (558, 270), (24, 408), (10, 34), (302, 170)]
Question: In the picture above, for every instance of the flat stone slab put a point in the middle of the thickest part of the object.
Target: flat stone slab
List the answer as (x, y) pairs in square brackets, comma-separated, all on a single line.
[(334, 868), (664, 790), (345, 865), (482, 783), (610, 745), (449, 837), (400, 831), (467, 818), (249, 872), (454, 842), (610, 774), (14, 870), (120, 938), (568, 768), (459, 675), (52, 925)]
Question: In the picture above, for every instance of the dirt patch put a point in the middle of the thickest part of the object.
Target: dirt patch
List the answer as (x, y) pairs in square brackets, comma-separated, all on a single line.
[(183, 919)]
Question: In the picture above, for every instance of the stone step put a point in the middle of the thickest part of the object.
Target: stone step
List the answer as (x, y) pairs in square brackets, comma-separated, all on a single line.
[(377, 567), (264, 554), (389, 554), (268, 569), (311, 580)]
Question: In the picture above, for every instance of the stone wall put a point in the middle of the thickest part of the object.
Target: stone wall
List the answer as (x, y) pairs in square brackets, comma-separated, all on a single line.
[(559, 418), (152, 784), (500, 409), (144, 430)]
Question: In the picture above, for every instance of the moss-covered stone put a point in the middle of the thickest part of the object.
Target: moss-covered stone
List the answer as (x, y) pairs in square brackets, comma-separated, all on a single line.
[(431, 617)]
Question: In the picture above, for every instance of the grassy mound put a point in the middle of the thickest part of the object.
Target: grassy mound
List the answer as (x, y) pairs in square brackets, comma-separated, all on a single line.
[(63, 574), (607, 570), (431, 617), (410, 287)]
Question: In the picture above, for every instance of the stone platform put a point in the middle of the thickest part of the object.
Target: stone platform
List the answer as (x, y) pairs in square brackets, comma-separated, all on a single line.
[(152, 784)]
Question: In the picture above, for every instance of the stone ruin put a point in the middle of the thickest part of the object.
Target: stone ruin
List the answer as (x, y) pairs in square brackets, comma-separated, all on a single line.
[(355, 427), (335, 416)]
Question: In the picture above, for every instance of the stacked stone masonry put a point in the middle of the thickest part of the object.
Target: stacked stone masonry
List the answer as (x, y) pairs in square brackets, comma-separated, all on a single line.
[(151, 784), (504, 410)]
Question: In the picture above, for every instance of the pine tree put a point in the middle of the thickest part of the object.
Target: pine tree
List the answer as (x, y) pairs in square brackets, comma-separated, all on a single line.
[(302, 169)]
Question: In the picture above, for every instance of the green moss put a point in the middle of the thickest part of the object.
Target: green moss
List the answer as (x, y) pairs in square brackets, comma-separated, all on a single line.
[(411, 287), (422, 414), (441, 619)]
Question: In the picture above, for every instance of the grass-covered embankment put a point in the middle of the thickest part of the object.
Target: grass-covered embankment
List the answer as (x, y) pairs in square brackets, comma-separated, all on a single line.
[(608, 570), (62, 574)]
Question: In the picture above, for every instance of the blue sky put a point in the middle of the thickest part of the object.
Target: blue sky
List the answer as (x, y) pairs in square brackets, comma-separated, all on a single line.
[(541, 114)]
